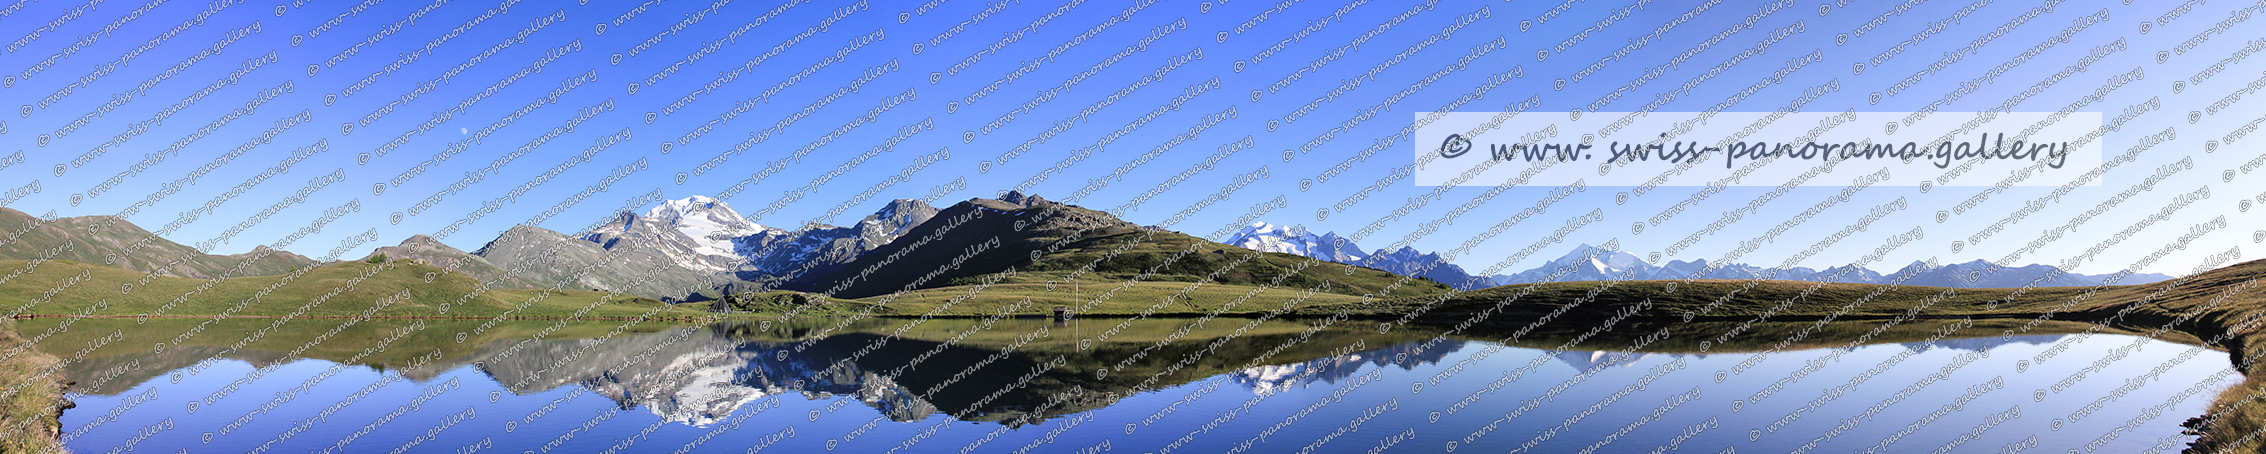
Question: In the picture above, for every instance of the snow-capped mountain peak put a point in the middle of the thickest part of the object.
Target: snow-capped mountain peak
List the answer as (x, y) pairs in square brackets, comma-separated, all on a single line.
[(700, 216), (710, 223), (696, 233), (1604, 260), (1264, 237), (1406, 261)]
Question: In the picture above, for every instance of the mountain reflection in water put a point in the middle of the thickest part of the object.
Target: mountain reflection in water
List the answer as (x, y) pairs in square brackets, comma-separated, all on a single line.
[(1152, 385), (699, 374)]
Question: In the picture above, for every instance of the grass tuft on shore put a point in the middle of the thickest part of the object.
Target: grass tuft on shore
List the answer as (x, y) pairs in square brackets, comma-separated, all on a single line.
[(28, 422)]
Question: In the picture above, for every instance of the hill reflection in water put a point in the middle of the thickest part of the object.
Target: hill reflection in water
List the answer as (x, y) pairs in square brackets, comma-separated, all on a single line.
[(1152, 384)]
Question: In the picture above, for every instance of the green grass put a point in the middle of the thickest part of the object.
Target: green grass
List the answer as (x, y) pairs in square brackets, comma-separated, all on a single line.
[(1114, 299), (403, 284), (111, 243), (1770, 300), (28, 418), (1208, 258)]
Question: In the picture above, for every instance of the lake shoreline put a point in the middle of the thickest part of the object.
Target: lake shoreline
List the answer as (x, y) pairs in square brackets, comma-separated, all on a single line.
[(31, 415), (349, 317), (2210, 307)]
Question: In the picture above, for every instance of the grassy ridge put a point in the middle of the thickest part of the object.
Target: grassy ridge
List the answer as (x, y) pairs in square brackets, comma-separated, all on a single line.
[(114, 241), (87, 289)]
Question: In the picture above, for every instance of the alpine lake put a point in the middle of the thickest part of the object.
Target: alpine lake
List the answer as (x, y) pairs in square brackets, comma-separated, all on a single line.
[(1155, 385)]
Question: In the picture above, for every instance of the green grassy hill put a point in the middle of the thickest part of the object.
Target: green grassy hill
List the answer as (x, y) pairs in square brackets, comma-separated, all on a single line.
[(115, 242), (411, 289), (430, 250), (969, 242)]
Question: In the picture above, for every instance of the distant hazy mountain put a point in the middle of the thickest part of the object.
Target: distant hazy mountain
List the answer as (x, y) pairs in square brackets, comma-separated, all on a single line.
[(1405, 261), (1978, 274), (114, 245), (819, 249), (1592, 264), (1973, 274)]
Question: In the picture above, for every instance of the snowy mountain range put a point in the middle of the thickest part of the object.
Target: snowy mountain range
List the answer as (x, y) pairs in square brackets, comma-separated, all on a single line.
[(1591, 263), (696, 233), (690, 249), (1406, 261), (686, 247), (1603, 264)]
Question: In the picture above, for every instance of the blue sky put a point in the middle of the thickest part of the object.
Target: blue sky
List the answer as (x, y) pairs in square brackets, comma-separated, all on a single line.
[(981, 78)]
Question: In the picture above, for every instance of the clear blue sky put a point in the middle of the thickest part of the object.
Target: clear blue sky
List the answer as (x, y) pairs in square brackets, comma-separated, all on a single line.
[(943, 56)]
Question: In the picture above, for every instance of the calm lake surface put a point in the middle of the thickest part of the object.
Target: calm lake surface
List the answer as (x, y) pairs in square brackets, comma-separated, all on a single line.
[(1089, 385)]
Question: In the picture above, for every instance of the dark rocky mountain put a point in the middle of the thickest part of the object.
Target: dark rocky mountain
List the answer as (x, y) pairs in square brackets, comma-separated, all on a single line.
[(1018, 198), (974, 237), (1031, 234)]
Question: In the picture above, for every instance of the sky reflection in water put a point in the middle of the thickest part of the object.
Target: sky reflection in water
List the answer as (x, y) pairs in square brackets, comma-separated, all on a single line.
[(738, 388)]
